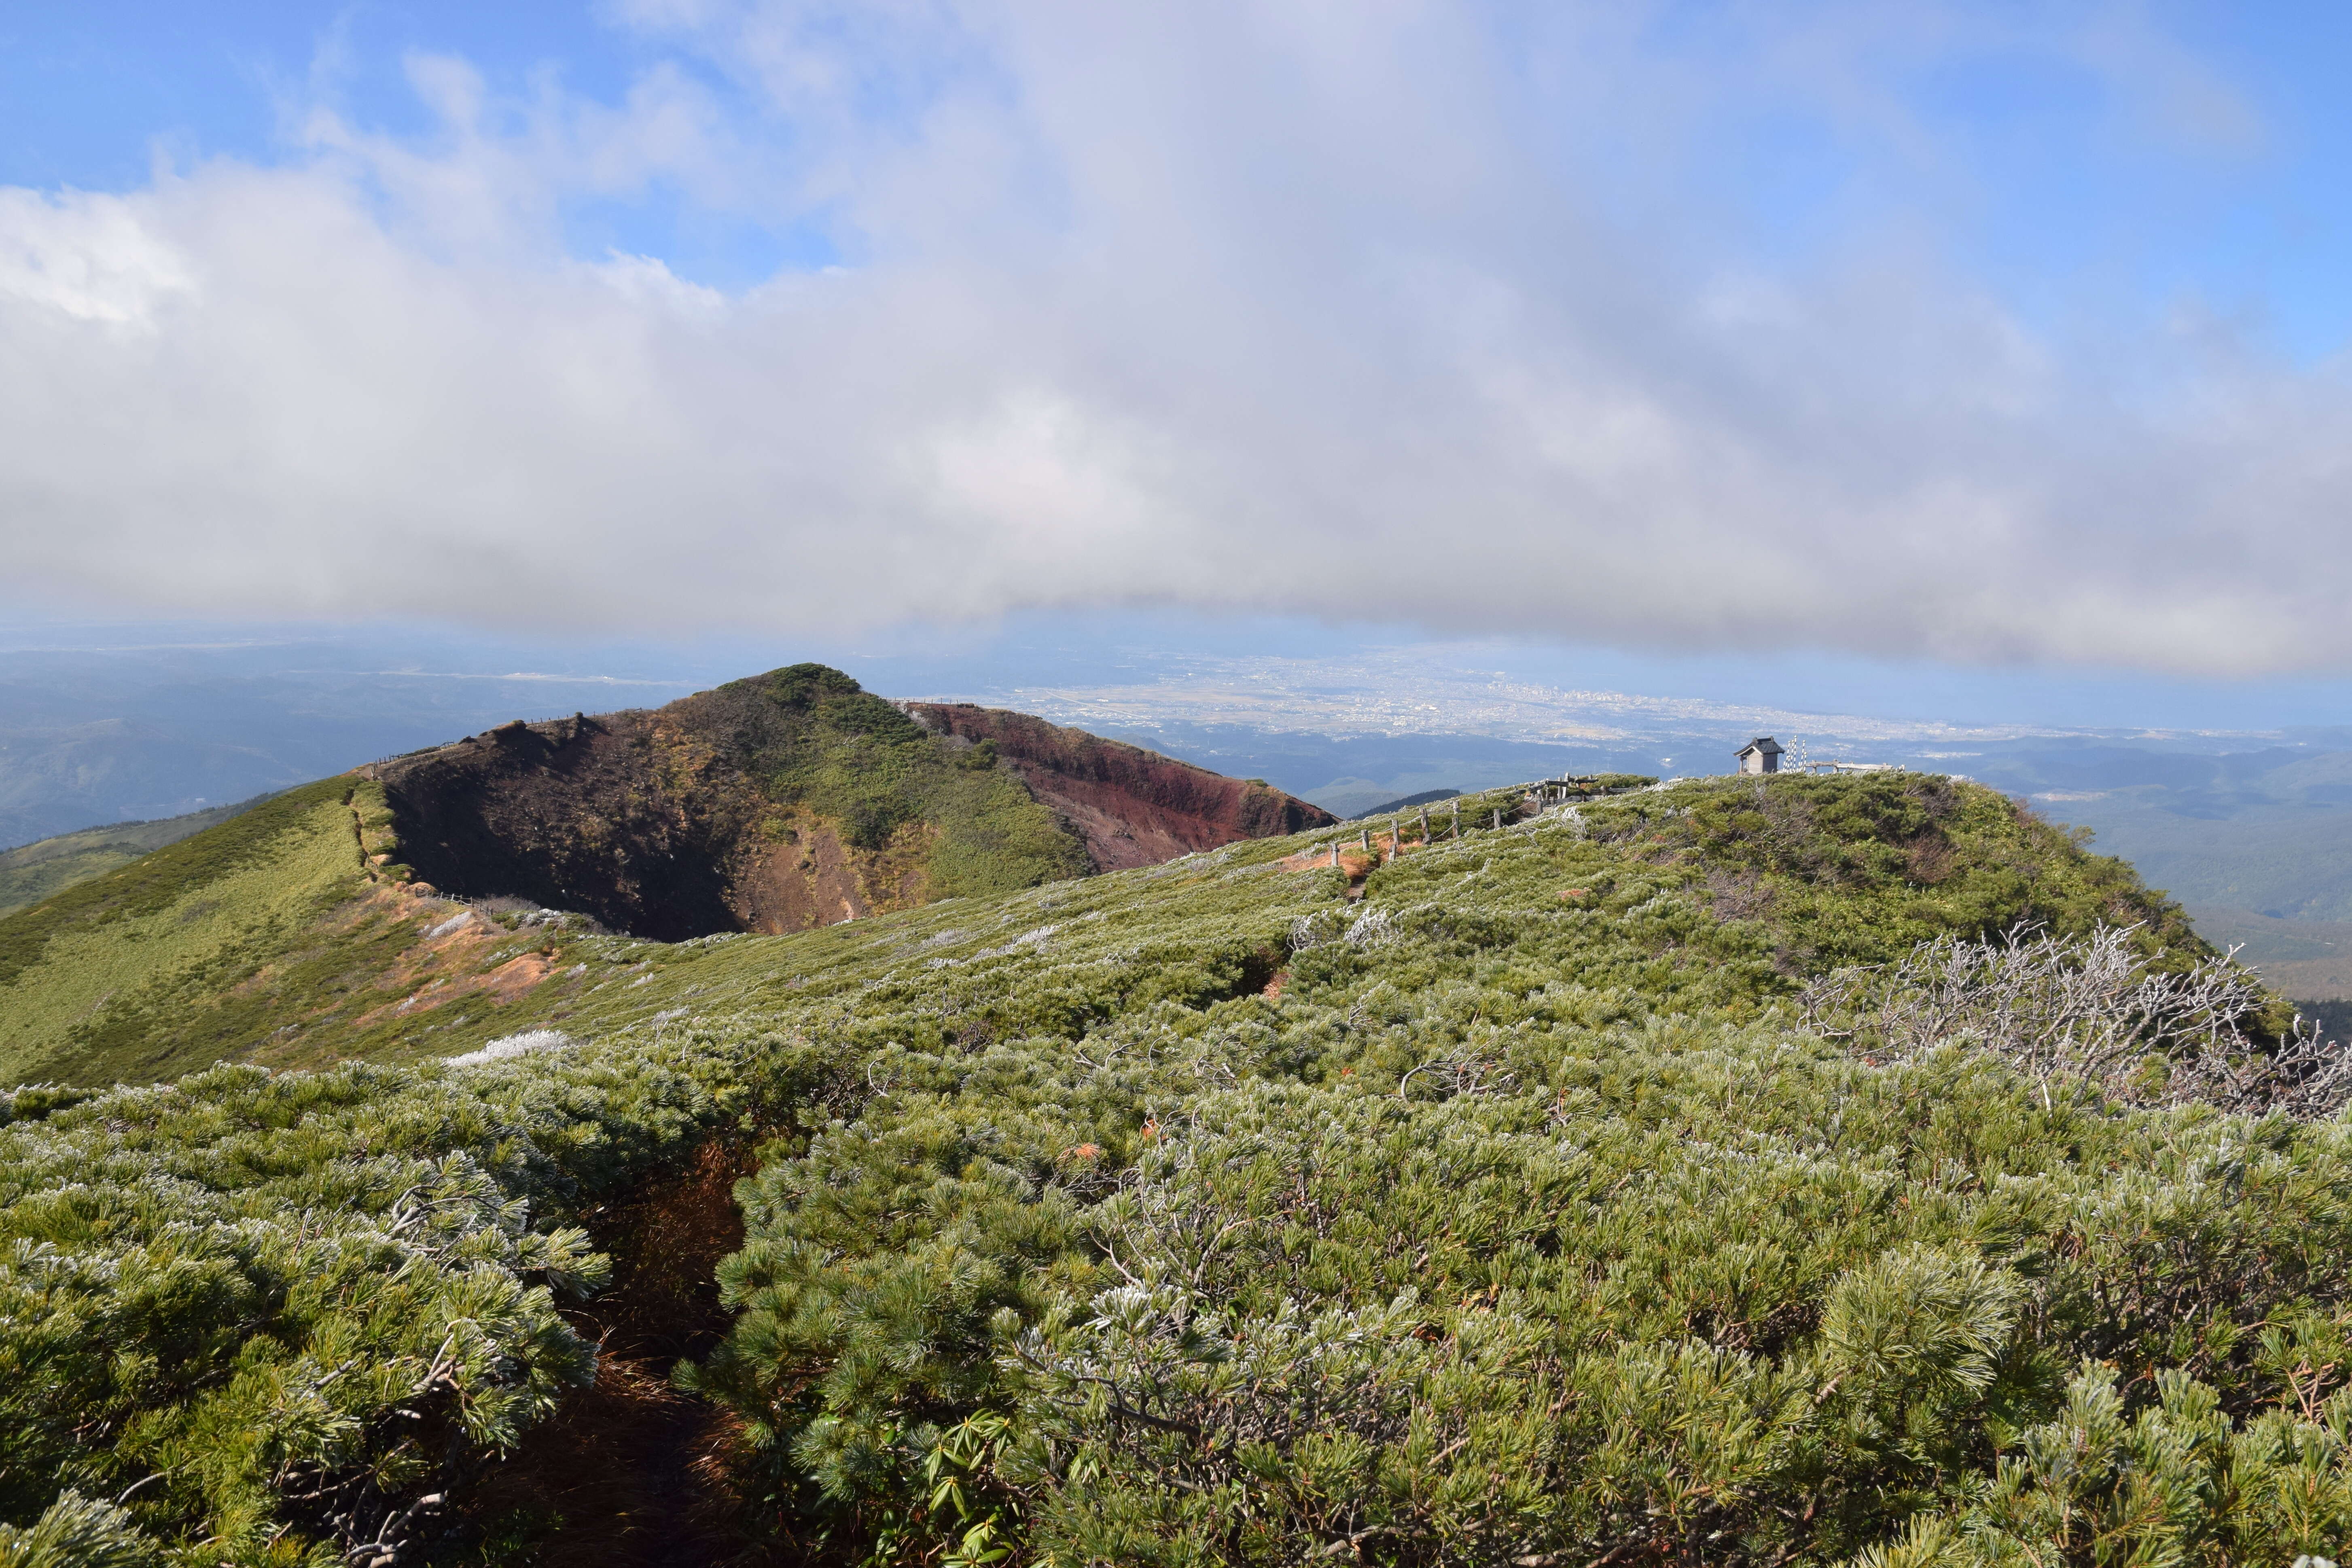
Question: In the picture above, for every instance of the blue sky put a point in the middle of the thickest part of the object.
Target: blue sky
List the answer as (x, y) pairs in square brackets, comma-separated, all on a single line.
[(2219, 182), (93, 96), (1975, 356)]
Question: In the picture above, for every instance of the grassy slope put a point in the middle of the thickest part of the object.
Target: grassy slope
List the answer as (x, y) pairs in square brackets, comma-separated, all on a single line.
[(1824, 881), (266, 939), (904, 799), (31, 872), (261, 940), (104, 973)]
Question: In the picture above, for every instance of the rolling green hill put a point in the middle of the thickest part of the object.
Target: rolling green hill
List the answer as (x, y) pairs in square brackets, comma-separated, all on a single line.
[(1508, 1199), (31, 872), (176, 958)]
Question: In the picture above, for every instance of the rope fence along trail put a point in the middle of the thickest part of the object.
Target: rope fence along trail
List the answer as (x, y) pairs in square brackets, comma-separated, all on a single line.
[(1533, 799)]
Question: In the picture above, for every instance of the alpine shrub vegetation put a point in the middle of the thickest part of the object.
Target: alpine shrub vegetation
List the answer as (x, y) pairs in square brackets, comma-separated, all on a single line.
[(1807, 1171), (280, 1317)]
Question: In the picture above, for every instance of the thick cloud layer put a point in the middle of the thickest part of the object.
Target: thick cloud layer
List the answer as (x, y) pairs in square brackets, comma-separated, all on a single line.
[(1385, 310)]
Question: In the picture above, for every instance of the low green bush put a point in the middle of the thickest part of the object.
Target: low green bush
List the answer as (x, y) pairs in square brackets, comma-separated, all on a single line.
[(1504, 1208), (1530, 1225), (280, 1317)]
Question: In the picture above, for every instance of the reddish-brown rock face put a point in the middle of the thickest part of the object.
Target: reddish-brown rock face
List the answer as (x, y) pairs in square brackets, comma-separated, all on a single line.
[(1133, 807)]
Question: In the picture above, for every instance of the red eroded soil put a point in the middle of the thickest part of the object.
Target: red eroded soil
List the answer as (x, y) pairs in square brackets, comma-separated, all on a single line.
[(814, 878), (1133, 807)]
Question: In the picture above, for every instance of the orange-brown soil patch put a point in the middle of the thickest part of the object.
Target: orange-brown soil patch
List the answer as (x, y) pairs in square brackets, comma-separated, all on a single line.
[(1353, 857), (435, 970), (807, 876)]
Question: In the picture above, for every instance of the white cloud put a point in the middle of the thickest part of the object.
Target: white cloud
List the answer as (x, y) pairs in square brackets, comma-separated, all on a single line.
[(647, 281), (88, 258), (1373, 310)]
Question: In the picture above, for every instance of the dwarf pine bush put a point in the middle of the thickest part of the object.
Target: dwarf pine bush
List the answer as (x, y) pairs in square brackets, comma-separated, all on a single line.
[(76, 1531), (281, 1316), (2094, 1010), (1514, 1212), (1536, 1225), (507, 1046)]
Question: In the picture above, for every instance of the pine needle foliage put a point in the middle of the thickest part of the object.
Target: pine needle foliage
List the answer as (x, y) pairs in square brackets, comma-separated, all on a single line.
[(1528, 1222), (281, 1316), (1501, 1206)]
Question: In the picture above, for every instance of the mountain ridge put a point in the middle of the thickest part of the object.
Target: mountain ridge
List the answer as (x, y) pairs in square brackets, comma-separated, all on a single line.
[(410, 906), (1132, 806), (793, 799)]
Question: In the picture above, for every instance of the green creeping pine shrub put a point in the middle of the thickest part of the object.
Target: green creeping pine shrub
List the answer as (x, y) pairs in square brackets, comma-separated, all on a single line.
[(76, 1531), (279, 1316), (1527, 1224), (1523, 1221)]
